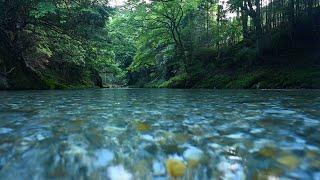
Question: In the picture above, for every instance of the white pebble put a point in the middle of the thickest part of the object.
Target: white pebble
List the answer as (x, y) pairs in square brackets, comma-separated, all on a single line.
[(5, 130), (119, 173), (193, 153), (103, 157), (158, 168)]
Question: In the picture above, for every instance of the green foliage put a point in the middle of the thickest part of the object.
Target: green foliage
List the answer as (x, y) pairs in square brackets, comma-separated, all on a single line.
[(205, 55), (53, 45), (245, 81), (175, 43), (246, 56), (217, 81), (43, 9), (178, 81)]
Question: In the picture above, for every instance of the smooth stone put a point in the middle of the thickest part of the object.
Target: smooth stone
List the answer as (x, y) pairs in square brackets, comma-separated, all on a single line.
[(231, 170), (256, 131), (261, 143), (103, 157), (147, 137), (78, 122), (291, 161), (143, 127), (151, 148), (181, 138), (215, 146), (40, 137), (142, 168), (175, 167), (160, 140), (312, 154), (5, 130), (291, 145), (236, 158), (313, 148), (193, 155), (158, 168), (171, 149), (234, 167), (268, 151), (315, 163), (95, 137), (267, 122), (76, 150), (197, 130), (58, 172), (119, 173), (268, 174), (113, 129), (236, 136)]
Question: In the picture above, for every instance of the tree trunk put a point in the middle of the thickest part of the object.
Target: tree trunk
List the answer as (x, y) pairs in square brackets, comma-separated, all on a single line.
[(244, 20), (257, 22)]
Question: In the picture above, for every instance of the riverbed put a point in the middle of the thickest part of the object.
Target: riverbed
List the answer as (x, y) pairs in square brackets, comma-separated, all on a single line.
[(104, 133)]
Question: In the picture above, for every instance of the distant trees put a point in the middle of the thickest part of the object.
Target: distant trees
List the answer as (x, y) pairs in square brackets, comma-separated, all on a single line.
[(169, 35), (267, 15), (149, 41)]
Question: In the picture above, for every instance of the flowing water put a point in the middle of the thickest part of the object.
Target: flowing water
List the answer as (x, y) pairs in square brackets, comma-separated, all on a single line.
[(131, 133)]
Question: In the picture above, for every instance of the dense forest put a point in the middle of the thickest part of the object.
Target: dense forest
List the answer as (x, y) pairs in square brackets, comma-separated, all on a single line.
[(161, 43)]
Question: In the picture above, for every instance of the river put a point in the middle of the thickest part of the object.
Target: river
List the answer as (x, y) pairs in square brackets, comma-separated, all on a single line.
[(105, 133)]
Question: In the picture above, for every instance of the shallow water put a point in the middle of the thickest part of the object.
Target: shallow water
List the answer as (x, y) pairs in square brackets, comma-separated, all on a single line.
[(97, 134)]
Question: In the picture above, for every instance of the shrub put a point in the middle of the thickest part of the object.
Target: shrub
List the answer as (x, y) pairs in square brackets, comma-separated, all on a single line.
[(246, 56), (178, 81)]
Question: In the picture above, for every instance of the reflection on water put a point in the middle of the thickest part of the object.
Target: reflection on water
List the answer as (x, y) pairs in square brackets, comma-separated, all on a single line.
[(158, 133)]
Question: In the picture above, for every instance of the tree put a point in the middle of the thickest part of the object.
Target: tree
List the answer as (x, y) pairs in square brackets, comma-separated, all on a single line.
[(250, 8)]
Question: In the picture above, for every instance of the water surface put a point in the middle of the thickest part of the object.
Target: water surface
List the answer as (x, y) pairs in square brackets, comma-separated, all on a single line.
[(90, 134)]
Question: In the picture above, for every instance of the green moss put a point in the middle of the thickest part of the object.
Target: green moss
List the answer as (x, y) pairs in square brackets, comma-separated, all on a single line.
[(291, 78), (178, 81), (245, 81), (153, 84), (53, 81), (217, 81)]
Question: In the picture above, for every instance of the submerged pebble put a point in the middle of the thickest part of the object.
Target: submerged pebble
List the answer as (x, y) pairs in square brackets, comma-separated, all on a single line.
[(290, 161), (119, 173), (212, 136), (113, 129), (193, 155), (141, 126), (103, 157), (40, 137), (5, 130), (268, 151), (175, 166), (231, 170), (268, 174), (256, 130), (237, 136), (158, 168), (147, 137)]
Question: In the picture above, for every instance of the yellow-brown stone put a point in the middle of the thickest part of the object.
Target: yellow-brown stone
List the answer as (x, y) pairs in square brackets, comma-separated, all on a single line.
[(175, 168)]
